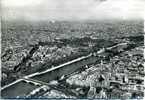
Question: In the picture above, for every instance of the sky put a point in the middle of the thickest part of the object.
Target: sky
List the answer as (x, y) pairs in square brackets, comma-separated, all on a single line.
[(72, 9)]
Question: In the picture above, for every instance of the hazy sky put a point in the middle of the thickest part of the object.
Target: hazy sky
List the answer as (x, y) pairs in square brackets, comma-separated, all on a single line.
[(72, 9)]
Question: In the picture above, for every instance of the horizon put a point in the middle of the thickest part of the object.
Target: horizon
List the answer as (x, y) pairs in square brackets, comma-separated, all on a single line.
[(68, 10)]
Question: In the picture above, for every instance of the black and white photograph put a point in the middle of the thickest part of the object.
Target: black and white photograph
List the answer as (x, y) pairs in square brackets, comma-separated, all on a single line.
[(72, 49)]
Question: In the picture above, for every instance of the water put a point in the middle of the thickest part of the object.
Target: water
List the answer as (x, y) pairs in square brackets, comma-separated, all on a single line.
[(20, 89), (67, 69)]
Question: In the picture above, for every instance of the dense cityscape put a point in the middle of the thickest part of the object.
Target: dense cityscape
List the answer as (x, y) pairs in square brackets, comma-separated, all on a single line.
[(116, 72)]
